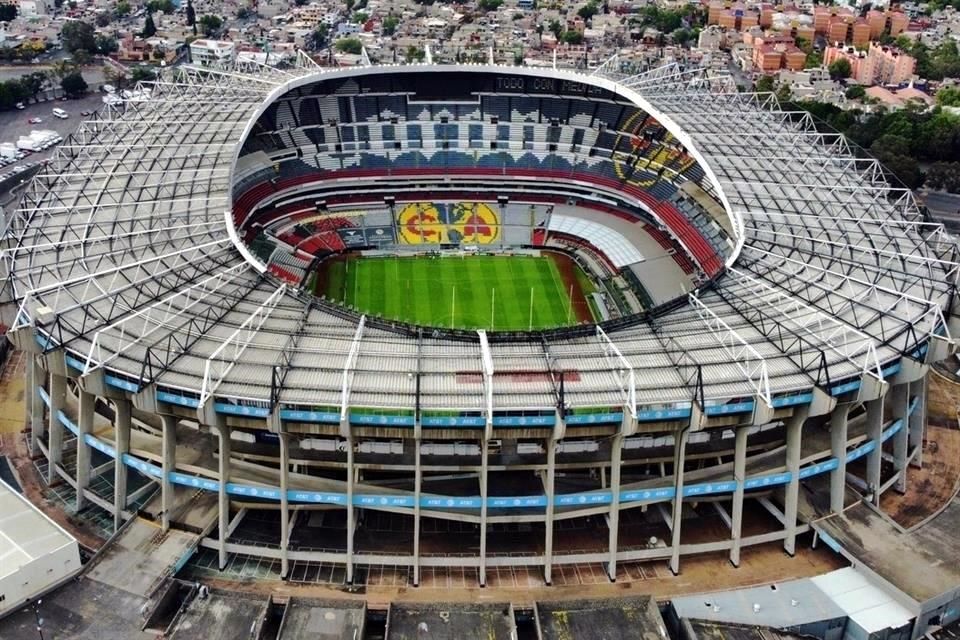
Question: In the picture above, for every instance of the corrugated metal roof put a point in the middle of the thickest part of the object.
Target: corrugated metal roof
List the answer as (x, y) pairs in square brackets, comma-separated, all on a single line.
[(866, 604)]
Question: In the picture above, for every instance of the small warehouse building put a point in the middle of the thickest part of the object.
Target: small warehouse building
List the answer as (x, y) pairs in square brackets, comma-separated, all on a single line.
[(36, 554)]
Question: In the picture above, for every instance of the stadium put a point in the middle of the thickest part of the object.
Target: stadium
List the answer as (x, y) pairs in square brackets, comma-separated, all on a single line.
[(472, 316)]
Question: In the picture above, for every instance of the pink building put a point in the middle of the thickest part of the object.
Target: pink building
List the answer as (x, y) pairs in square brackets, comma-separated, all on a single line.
[(879, 65), (890, 65), (861, 69)]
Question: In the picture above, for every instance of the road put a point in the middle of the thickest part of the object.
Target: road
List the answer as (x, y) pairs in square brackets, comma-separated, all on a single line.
[(93, 74), (944, 207)]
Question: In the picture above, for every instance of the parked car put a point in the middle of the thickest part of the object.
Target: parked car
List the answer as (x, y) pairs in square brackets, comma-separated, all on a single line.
[(87, 113), (35, 120), (60, 113), (20, 106)]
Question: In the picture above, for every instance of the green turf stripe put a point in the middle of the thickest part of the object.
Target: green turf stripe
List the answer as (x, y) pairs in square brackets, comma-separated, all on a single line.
[(420, 290)]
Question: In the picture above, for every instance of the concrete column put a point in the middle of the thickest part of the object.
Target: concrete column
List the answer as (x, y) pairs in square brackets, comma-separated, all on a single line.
[(169, 465), (899, 400), (549, 485), (613, 524), (875, 457), (918, 419), (34, 403), (417, 483), (484, 464), (792, 490), (121, 428), (351, 513), (58, 397), (838, 449), (739, 477), (679, 455), (84, 427), (223, 499), (284, 505), (29, 395)]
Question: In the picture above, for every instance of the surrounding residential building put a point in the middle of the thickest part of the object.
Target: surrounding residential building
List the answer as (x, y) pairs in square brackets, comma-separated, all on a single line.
[(890, 65), (879, 65), (206, 52)]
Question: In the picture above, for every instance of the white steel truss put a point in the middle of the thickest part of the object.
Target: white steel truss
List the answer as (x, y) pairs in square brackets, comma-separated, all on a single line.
[(124, 239)]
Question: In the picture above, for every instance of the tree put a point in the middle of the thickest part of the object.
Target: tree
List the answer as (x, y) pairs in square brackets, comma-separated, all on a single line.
[(320, 36), (390, 25), (61, 68), (489, 5), (682, 36), (166, 6), (588, 10), (764, 84), (210, 24), (783, 93), (74, 85), (191, 14), (349, 45), (244, 13), (78, 35), (414, 54), (8, 12), (149, 29), (360, 17), (840, 69), (813, 60), (32, 83), (123, 9), (948, 97), (11, 92), (855, 92), (944, 175), (556, 29), (81, 57), (572, 37), (142, 74), (102, 20), (107, 45), (115, 76)]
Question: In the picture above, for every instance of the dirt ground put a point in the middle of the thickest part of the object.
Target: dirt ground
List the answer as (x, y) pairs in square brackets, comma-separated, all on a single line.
[(762, 565), (930, 488), (13, 445)]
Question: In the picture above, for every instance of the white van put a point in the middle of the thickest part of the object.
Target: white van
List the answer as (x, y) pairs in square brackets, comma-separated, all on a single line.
[(60, 113)]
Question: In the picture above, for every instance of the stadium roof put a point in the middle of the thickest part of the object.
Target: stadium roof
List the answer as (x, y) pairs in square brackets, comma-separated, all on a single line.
[(122, 253)]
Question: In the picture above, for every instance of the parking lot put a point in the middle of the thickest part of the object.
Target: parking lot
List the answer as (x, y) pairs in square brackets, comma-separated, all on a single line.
[(16, 123)]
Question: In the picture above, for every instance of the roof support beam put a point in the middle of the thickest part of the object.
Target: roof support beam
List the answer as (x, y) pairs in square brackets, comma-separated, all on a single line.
[(487, 380), (743, 354), (159, 315), (624, 370), (348, 373), (225, 357)]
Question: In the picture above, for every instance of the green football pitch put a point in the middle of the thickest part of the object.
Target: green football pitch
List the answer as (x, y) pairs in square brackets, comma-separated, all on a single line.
[(468, 292)]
